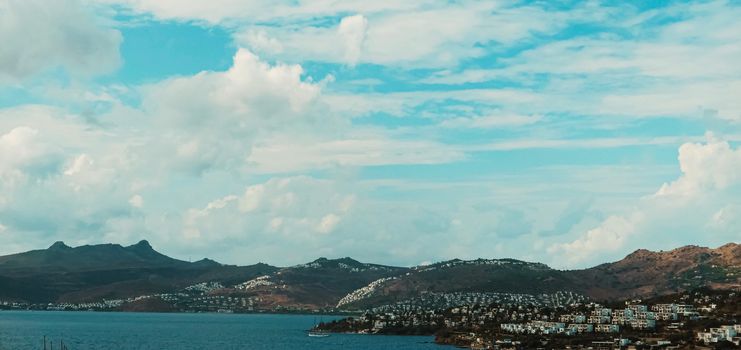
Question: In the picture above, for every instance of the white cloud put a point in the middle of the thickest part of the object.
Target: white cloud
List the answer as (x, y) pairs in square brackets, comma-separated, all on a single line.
[(294, 208), (284, 155), (343, 43), (699, 202), (251, 11), (328, 223), (258, 39), (82, 172), (353, 30), (61, 178), (713, 166), (726, 218), (210, 120), (605, 142), (443, 34), (37, 35), (19, 147), (495, 120), (608, 238), (249, 91), (212, 11), (136, 201), (681, 68)]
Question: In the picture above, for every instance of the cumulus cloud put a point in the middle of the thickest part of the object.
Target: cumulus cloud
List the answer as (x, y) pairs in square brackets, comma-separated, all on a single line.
[(96, 177), (713, 166), (342, 43), (250, 91), (702, 201), (292, 209), (288, 220), (37, 35), (60, 178), (353, 30), (607, 239), (93, 178), (211, 119), (19, 147)]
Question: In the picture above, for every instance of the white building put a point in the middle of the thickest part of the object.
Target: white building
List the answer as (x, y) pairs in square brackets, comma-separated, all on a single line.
[(722, 333), (607, 328)]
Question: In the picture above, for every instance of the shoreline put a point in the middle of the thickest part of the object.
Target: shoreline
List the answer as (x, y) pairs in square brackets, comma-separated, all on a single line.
[(254, 312), (183, 312)]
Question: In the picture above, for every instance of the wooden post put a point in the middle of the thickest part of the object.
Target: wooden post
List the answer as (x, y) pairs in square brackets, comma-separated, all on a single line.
[(44, 342)]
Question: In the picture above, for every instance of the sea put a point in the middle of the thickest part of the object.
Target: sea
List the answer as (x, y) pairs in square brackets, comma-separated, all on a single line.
[(25, 330)]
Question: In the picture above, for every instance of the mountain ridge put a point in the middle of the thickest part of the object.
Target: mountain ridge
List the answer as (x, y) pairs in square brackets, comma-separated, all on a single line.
[(90, 272)]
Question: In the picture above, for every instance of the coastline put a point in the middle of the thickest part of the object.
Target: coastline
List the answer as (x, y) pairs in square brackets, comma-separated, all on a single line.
[(170, 310), (262, 312), (157, 331)]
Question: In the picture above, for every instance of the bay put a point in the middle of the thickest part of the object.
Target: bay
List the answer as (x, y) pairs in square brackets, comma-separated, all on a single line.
[(151, 331)]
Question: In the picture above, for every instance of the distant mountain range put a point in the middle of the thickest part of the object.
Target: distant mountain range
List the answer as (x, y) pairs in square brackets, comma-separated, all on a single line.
[(110, 271)]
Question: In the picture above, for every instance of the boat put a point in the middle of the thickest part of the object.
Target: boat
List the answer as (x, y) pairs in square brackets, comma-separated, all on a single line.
[(316, 333)]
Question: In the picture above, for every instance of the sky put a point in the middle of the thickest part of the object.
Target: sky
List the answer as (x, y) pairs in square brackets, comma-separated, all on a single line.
[(394, 132)]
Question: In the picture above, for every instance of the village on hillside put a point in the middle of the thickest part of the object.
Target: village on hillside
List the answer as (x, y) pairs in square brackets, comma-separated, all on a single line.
[(699, 319)]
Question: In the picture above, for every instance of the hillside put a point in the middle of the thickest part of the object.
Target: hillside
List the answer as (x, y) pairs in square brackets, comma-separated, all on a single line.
[(501, 276), (110, 271), (318, 284), (640, 274), (646, 273), (60, 258), (94, 272)]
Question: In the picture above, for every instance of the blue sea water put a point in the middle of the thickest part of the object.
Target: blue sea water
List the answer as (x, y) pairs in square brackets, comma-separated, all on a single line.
[(147, 331)]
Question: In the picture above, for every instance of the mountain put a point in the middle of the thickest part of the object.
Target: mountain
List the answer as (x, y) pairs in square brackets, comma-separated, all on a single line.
[(61, 258), (94, 272), (110, 271), (646, 273)]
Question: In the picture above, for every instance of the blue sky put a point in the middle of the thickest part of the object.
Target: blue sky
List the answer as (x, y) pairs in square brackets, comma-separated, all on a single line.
[(392, 132)]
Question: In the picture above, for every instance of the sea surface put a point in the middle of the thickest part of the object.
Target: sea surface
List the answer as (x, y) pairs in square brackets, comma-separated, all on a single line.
[(20, 330)]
